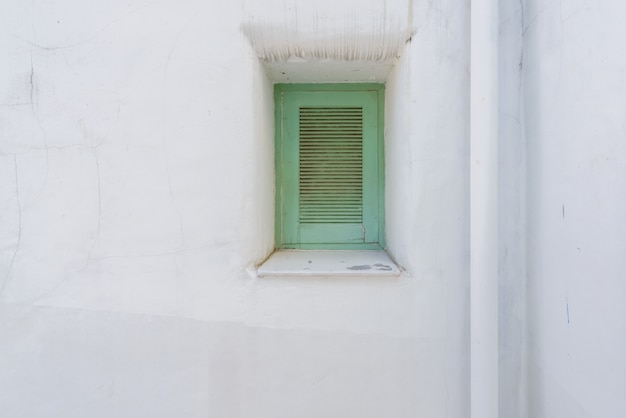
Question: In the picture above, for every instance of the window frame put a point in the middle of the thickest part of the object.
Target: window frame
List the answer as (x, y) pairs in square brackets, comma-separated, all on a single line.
[(373, 231)]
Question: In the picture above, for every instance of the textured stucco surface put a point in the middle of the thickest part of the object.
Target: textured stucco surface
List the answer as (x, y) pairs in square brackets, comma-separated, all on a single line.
[(136, 192)]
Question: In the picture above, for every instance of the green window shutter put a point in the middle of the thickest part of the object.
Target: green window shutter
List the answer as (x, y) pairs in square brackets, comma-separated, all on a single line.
[(329, 166)]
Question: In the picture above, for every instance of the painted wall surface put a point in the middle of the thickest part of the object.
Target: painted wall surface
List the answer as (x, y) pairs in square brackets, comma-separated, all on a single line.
[(574, 91), (136, 191)]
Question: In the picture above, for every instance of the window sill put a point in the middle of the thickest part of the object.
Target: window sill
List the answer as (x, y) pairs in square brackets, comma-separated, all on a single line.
[(325, 263)]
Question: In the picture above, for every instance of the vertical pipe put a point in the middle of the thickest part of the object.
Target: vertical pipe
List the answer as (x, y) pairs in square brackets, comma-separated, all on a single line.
[(483, 209)]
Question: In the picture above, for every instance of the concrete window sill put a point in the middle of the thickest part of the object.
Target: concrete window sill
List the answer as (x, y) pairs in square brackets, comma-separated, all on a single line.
[(328, 263)]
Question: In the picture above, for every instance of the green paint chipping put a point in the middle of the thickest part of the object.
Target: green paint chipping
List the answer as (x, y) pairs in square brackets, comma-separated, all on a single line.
[(329, 166)]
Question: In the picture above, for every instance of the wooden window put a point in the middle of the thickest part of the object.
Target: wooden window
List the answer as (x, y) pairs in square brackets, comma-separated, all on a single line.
[(329, 166)]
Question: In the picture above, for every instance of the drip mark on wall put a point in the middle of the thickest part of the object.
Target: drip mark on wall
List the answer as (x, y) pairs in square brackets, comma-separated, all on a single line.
[(98, 179)]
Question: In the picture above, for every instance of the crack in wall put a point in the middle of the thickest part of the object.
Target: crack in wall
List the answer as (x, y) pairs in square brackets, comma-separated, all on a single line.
[(36, 116), (184, 27), (35, 44), (521, 54), (180, 250), (19, 229), (533, 20), (98, 180), (33, 108)]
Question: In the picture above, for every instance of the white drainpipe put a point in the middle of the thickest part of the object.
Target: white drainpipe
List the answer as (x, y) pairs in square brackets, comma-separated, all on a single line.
[(484, 209)]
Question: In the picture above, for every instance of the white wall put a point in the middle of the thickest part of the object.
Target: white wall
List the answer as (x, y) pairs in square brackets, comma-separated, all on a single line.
[(136, 188), (136, 152), (427, 202), (574, 108)]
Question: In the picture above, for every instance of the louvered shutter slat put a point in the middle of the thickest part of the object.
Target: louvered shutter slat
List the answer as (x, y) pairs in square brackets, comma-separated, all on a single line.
[(331, 174)]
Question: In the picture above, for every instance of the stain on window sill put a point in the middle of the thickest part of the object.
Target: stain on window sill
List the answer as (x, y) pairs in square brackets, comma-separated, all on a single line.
[(328, 263)]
